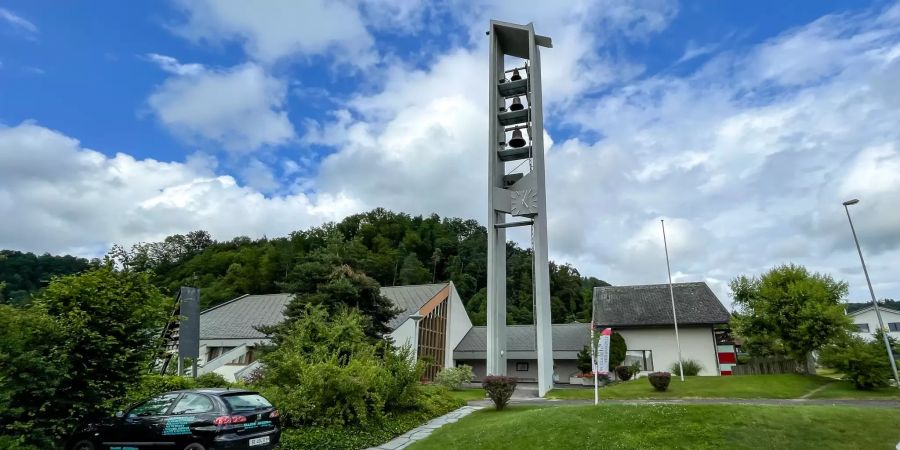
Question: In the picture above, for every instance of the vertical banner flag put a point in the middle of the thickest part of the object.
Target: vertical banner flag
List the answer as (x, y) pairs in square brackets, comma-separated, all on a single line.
[(593, 350), (603, 351)]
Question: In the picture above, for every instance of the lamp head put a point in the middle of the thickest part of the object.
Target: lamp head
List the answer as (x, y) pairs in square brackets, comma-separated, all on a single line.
[(851, 202), (416, 316)]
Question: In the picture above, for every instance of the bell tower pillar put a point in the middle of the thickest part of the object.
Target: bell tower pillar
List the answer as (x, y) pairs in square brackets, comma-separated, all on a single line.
[(516, 186)]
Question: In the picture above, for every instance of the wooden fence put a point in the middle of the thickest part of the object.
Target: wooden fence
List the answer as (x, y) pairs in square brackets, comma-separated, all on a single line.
[(768, 366)]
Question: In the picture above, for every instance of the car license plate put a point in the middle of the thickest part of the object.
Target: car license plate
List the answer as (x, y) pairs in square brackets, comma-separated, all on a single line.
[(259, 441)]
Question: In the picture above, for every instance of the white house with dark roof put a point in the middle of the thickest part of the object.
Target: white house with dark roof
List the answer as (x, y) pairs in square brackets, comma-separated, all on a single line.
[(866, 322), (643, 316), (229, 331)]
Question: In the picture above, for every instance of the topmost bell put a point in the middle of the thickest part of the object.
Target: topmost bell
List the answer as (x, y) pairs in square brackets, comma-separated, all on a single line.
[(515, 76)]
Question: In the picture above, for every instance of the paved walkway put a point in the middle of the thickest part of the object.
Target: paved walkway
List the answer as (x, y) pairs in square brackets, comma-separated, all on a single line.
[(422, 432)]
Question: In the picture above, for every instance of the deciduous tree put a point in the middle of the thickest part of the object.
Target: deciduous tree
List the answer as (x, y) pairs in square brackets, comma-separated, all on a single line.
[(789, 311)]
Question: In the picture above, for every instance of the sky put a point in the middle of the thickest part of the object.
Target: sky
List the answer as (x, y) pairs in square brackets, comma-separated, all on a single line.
[(744, 125)]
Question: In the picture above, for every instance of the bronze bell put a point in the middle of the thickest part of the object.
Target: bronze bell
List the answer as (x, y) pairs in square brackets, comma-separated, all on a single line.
[(516, 105), (517, 140), (515, 76)]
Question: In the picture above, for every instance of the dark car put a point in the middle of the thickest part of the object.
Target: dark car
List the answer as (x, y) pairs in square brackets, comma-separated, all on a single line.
[(197, 419)]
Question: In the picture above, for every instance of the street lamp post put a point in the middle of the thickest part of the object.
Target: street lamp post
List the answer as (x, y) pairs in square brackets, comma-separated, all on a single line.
[(416, 318), (887, 344)]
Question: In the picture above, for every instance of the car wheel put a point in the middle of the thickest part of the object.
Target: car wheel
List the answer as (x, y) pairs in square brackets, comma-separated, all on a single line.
[(195, 446), (83, 444)]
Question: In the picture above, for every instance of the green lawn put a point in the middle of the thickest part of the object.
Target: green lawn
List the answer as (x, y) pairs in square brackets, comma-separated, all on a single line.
[(671, 426), (748, 386), (845, 390)]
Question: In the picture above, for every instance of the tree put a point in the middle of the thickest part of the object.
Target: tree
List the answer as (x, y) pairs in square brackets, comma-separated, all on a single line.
[(336, 289), (584, 360), (78, 346), (790, 312), (617, 349)]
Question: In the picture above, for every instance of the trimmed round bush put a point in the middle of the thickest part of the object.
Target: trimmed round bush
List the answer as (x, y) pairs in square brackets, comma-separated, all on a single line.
[(499, 389), (660, 380), (624, 373)]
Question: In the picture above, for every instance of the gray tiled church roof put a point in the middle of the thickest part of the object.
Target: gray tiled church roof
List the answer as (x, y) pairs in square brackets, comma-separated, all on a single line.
[(520, 338), (238, 318), (649, 305)]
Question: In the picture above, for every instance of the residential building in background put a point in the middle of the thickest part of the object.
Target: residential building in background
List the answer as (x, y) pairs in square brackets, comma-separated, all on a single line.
[(866, 322), (643, 316)]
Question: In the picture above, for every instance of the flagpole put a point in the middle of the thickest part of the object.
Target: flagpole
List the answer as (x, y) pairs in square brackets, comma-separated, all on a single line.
[(594, 364), (672, 295)]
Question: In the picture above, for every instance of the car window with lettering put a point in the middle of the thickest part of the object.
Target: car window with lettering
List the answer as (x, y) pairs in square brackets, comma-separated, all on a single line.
[(156, 406), (193, 403)]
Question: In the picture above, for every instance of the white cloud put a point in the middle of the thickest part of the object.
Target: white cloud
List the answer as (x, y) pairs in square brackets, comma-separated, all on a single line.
[(84, 201), (240, 109), (751, 175), (19, 23), (171, 65), (273, 30)]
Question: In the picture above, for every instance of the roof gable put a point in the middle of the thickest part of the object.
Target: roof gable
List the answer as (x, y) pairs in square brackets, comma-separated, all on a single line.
[(881, 308), (410, 299), (651, 305)]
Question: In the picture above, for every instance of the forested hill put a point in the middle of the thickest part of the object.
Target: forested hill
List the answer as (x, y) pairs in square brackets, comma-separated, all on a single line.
[(392, 248), (24, 273)]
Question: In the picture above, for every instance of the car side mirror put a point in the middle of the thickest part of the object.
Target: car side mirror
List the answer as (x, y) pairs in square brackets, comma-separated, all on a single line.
[(120, 414)]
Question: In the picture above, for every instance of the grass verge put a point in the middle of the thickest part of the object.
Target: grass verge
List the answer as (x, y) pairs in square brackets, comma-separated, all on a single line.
[(748, 386), (671, 426), (845, 390)]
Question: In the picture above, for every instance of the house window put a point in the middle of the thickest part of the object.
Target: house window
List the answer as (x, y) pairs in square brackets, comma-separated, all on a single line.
[(521, 367), (244, 359), (644, 358), (894, 326), (862, 327)]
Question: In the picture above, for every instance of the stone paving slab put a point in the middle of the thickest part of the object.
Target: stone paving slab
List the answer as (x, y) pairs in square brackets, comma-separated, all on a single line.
[(423, 431)]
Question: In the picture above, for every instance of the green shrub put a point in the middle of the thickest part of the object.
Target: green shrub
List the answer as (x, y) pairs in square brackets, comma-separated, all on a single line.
[(660, 380), (404, 386), (212, 380), (617, 349), (151, 385), (326, 372), (691, 367), (500, 389), (454, 377), (864, 363), (75, 348), (624, 373), (434, 402)]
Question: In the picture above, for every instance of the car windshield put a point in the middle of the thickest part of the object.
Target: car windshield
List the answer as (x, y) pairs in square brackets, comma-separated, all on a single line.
[(246, 402)]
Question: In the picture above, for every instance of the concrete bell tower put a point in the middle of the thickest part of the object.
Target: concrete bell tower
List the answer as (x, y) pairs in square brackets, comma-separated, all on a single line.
[(516, 186)]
